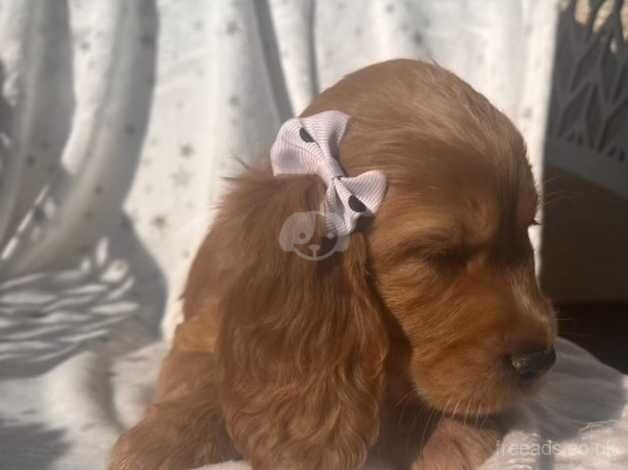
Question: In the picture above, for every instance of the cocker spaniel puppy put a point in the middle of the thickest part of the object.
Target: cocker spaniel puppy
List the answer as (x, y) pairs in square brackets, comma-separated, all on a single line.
[(407, 342)]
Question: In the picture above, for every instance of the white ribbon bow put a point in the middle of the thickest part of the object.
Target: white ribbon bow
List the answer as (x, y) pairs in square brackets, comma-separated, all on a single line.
[(310, 146)]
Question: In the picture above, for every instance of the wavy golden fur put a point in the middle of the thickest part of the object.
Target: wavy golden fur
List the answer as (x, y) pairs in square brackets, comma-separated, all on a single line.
[(400, 347)]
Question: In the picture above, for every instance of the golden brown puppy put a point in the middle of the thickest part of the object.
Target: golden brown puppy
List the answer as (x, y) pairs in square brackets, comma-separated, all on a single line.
[(408, 344)]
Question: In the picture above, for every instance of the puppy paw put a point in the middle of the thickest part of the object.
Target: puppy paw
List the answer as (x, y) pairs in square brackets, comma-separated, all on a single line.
[(139, 450), (157, 445), (174, 436), (455, 446)]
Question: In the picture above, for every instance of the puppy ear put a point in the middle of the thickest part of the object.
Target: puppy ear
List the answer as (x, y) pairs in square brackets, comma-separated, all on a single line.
[(302, 343)]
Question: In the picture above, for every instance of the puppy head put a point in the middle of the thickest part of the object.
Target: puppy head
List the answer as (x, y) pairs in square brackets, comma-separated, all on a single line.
[(450, 253), (437, 290)]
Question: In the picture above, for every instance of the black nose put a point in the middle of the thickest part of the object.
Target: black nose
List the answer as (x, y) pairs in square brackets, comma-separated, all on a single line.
[(530, 365)]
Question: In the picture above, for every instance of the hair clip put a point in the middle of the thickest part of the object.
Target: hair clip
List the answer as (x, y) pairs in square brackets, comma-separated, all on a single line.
[(310, 146)]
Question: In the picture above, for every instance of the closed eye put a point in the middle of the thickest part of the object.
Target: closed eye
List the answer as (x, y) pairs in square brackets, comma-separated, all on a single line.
[(450, 259)]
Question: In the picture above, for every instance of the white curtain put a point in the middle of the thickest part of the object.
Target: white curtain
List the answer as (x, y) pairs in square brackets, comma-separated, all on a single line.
[(118, 121)]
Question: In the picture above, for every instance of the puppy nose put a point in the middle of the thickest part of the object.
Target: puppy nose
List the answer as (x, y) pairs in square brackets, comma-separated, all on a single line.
[(530, 365)]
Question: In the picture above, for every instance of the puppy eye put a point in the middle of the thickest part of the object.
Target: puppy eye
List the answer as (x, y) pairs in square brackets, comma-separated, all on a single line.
[(452, 259)]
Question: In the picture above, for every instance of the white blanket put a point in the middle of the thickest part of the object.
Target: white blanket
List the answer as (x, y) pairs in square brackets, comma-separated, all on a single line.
[(69, 417), (117, 121)]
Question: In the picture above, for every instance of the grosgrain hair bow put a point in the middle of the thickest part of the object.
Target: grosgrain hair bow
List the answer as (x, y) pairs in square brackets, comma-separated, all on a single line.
[(310, 146)]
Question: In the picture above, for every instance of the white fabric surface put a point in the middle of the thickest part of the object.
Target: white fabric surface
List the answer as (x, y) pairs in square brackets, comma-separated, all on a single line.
[(121, 118)]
